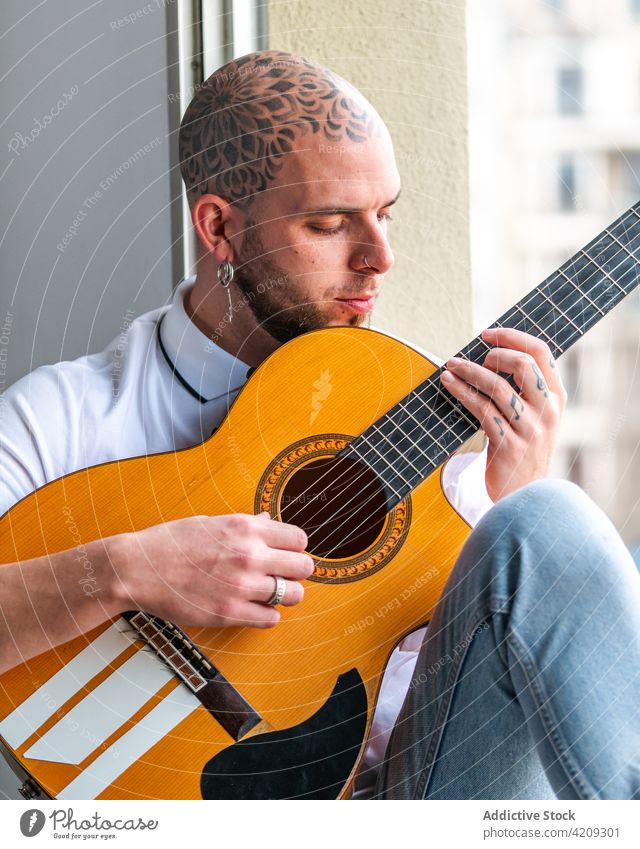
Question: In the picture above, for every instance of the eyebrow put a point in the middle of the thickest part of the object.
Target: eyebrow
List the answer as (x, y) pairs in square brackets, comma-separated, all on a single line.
[(334, 210)]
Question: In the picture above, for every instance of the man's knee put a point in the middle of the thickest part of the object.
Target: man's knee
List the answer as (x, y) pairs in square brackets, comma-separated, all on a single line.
[(548, 520), (545, 505)]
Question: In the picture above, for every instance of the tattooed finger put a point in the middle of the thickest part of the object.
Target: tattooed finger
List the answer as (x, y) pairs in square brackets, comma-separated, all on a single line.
[(540, 382), (517, 406)]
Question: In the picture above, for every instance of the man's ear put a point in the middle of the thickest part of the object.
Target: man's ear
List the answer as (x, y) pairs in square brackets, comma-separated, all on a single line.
[(214, 221)]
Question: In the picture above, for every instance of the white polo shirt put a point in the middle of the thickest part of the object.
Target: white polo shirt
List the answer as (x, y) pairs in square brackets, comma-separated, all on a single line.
[(162, 385)]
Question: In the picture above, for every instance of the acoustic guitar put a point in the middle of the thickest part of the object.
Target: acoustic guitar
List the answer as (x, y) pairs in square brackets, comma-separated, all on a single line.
[(343, 431)]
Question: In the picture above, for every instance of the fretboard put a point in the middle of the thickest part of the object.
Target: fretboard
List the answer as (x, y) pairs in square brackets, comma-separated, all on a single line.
[(427, 426)]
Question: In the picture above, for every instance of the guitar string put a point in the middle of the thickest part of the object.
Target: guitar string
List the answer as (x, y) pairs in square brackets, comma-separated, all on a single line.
[(439, 392), (410, 482), (435, 465), (473, 345), (372, 490), (591, 261), (532, 296), (447, 404)]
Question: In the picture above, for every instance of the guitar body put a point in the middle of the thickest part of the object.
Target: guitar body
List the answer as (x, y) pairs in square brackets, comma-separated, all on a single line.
[(103, 717)]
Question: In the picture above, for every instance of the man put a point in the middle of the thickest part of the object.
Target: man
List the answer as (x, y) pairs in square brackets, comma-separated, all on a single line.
[(293, 237)]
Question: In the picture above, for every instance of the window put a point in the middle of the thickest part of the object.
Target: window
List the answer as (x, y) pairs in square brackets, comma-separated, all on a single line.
[(570, 366), (575, 466), (635, 8), (553, 5), (570, 91), (567, 184), (633, 175)]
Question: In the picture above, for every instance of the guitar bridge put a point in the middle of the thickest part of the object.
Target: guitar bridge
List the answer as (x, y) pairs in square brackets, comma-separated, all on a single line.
[(174, 647), (194, 669)]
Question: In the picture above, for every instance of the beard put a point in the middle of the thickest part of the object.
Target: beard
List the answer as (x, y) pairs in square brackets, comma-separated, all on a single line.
[(274, 299)]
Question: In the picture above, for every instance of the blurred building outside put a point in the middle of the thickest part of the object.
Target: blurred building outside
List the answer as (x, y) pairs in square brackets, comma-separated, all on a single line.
[(554, 109)]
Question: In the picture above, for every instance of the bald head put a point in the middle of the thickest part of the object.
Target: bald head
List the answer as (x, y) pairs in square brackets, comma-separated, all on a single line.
[(252, 112)]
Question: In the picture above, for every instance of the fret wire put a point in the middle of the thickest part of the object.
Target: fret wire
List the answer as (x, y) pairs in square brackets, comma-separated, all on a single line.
[(419, 423), (399, 451), (562, 313), (346, 504), (556, 306), (537, 326), (590, 280), (362, 456), (575, 287), (596, 243), (480, 341), (471, 348), (355, 450), (571, 339), (547, 314), (462, 413), (624, 247), (421, 476), (578, 289), (606, 273), (435, 438), (473, 427), (434, 412), (416, 394), (362, 436), (597, 281), (391, 416), (568, 300)]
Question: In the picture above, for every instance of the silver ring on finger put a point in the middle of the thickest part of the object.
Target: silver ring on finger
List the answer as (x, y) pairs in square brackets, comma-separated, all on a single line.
[(278, 593)]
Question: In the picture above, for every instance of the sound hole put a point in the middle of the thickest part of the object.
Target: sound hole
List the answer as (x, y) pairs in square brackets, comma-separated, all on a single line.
[(338, 502)]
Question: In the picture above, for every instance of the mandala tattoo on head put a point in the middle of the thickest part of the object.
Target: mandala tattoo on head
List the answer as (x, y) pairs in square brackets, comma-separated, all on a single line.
[(245, 118)]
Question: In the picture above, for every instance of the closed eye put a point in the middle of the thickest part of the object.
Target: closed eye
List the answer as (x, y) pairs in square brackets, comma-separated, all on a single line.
[(328, 231), (331, 231)]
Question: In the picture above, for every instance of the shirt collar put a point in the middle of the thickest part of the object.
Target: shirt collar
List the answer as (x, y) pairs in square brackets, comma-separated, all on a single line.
[(211, 371)]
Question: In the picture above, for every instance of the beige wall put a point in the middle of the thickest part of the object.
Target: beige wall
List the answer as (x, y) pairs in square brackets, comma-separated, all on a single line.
[(409, 58)]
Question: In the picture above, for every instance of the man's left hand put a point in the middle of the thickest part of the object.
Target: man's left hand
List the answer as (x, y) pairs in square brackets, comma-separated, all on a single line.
[(521, 428)]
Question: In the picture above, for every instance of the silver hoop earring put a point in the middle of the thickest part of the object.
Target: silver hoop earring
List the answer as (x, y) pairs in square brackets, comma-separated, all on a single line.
[(226, 272)]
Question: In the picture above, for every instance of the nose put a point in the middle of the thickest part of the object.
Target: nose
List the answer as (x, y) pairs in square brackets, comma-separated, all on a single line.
[(373, 252)]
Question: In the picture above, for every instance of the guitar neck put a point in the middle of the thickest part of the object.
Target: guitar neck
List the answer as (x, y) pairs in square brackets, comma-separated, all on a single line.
[(427, 426)]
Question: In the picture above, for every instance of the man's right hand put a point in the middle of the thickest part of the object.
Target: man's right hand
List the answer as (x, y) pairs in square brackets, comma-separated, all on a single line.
[(210, 571), (207, 571)]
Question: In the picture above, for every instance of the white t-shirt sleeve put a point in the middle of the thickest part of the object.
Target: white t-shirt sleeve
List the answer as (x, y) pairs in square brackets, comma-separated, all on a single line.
[(38, 433)]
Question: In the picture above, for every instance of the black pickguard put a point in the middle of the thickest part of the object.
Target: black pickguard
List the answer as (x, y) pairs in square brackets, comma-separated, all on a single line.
[(309, 761)]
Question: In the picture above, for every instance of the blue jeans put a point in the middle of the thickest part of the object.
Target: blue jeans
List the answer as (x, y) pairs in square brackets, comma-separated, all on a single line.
[(527, 685)]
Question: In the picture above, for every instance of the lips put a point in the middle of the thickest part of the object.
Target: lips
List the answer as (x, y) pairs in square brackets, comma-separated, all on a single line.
[(361, 303)]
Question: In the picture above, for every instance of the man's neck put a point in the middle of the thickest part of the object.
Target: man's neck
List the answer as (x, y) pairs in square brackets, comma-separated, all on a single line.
[(241, 336)]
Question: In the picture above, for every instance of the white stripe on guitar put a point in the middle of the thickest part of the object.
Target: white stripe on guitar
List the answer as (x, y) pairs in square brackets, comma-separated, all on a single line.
[(21, 723), (131, 746), (105, 709)]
